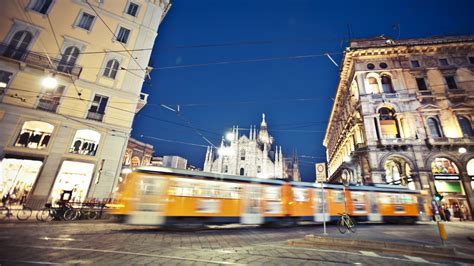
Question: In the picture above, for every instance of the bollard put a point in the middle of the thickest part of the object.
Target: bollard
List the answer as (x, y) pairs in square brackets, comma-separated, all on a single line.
[(442, 232)]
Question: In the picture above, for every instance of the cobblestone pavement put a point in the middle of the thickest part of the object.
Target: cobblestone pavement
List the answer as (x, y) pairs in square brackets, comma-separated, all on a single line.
[(117, 244)]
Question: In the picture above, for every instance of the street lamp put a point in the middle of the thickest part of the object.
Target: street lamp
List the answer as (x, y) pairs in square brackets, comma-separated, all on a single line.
[(3, 85), (229, 136), (462, 150), (49, 83), (346, 159)]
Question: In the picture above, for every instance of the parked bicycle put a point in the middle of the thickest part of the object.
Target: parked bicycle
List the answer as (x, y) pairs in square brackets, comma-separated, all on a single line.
[(22, 212), (345, 223)]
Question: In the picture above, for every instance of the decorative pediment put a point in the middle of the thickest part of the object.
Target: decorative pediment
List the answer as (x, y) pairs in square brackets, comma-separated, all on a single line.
[(462, 107), (244, 138), (429, 108)]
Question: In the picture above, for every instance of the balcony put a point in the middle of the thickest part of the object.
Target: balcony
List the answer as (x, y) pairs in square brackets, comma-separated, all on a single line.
[(448, 142), (37, 60), (142, 101), (397, 143), (47, 105), (456, 95), (95, 116)]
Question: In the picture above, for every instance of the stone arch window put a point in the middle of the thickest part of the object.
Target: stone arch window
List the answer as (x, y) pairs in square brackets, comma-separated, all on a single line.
[(34, 135), (387, 85), (242, 171), (442, 165), (388, 123), (398, 172), (466, 127), (470, 168), (111, 68), (135, 161), (373, 85), (85, 142), (242, 155), (18, 45), (434, 128), (68, 59)]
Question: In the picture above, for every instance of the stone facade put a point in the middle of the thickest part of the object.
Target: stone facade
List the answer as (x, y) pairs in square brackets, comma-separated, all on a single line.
[(403, 115), (251, 155), (71, 135), (137, 154)]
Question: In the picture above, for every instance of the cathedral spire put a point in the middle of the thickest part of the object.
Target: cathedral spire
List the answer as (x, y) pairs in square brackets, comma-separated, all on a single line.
[(263, 136)]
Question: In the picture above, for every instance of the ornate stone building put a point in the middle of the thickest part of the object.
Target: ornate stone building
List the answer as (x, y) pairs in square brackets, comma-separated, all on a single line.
[(71, 74), (137, 154), (251, 155), (403, 114)]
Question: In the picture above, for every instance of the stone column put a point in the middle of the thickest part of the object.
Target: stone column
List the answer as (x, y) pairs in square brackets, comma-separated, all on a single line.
[(466, 183)]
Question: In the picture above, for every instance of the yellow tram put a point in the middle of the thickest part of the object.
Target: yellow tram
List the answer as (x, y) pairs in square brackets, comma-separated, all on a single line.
[(166, 196)]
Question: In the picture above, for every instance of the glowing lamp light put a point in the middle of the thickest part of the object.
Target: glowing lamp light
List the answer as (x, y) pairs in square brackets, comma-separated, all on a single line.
[(49, 83), (229, 136), (346, 159), (3, 85), (462, 150)]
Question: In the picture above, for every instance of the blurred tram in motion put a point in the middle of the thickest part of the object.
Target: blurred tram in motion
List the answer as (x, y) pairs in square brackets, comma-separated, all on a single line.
[(169, 197)]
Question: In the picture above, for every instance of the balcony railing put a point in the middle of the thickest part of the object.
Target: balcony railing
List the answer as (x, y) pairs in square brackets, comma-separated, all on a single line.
[(95, 116), (450, 141), (47, 105), (38, 60)]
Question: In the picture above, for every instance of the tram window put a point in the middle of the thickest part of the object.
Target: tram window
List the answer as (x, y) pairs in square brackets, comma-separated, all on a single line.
[(337, 196), (272, 193), (385, 199), (359, 201), (206, 189), (300, 194)]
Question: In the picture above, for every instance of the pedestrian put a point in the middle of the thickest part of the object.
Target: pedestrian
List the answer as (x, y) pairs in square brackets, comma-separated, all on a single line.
[(447, 213)]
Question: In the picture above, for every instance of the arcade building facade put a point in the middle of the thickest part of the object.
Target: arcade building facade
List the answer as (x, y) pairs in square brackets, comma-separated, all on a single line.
[(403, 115)]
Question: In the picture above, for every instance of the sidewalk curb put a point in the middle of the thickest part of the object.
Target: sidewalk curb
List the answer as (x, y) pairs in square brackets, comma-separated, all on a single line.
[(312, 241)]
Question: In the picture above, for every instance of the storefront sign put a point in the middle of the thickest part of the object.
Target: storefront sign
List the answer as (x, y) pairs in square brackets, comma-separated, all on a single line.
[(446, 177)]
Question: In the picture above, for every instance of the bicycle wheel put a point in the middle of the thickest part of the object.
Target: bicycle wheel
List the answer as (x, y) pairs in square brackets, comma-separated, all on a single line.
[(44, 215), (92, 215), (341, 225), (24, 213), (70, 215), (5, 214), (351, 225)]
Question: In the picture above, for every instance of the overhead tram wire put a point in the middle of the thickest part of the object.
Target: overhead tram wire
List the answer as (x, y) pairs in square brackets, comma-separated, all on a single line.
[(115, 36)]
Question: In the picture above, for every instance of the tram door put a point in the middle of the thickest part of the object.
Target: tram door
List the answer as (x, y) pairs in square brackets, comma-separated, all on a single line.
[(251, 205), (318, 205), (374, 210), (150, 199)]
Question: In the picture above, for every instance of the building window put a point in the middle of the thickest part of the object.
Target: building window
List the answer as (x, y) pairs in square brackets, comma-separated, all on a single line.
[(466, 127), (132, 9), (242, 171), (370, 66), (85, 21), (97, 109), (443, 62), (123, 35), (451, 82), (374, 85), (444, 166), (85, 142), (433, 127), (383, 65), (415, 63), (471, 60), (111, 69), (388, 123), (387, 84), (5, 78), (18, 45), (68, 59), (34, 135), (41, 6), (421, 83), (50, 98), (242, 155)]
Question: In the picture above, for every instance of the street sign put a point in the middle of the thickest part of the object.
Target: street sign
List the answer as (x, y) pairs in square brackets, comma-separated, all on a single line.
[(321, 172)]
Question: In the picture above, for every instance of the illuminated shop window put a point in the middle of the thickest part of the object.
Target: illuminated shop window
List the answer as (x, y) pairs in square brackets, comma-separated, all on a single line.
[(444, 166), (388, 123), (34, 135), (85, 142)]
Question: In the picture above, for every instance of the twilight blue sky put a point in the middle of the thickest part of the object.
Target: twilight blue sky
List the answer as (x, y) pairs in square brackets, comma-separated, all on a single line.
[(200, 32)]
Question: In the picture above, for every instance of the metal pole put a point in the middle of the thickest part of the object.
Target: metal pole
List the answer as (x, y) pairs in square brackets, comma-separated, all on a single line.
[(324, 208), (345, 200)]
